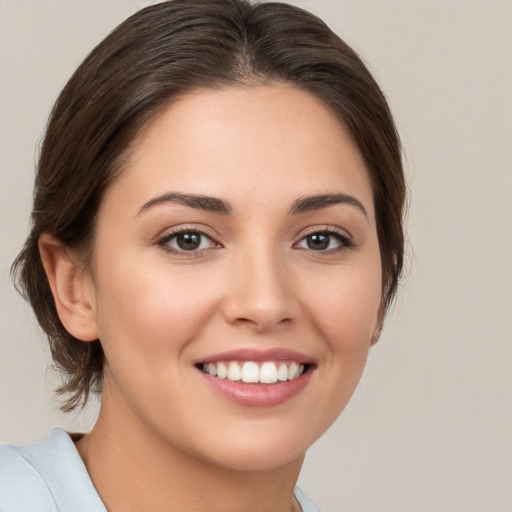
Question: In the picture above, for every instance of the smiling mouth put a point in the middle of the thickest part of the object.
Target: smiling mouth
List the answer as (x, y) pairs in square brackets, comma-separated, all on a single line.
[(251, 372)]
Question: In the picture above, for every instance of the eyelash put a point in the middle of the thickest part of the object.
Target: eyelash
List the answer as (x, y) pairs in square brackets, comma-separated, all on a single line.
[(345, 242), (163, 242)]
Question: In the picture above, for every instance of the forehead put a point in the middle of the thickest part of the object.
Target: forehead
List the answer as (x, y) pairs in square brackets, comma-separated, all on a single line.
[(272, 141)]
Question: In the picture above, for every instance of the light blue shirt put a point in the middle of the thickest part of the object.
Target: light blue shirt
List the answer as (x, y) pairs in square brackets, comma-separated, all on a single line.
[(49, 476)]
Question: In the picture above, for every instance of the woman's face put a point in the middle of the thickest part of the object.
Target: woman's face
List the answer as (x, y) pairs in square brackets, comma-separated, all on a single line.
[(241, 240)]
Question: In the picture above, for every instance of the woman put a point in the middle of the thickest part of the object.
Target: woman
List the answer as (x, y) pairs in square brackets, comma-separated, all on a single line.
[(216, 237)]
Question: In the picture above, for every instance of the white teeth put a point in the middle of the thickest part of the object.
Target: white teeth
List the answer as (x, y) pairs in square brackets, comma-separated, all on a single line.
[(222, 370), (234, 371), (250, 372), (292, 371), (282, 373), (267, 372)]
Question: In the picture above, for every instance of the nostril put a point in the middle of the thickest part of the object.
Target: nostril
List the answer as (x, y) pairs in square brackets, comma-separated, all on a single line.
[(263, 323)]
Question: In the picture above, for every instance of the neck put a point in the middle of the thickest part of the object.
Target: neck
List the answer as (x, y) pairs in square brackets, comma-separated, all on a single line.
[(133, 468)]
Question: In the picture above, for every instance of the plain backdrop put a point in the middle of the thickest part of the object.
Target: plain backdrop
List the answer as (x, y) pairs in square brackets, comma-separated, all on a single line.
[(430, 426)]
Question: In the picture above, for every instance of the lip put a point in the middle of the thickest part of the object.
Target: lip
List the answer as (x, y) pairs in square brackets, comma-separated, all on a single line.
[(258, 356), (258, 395)]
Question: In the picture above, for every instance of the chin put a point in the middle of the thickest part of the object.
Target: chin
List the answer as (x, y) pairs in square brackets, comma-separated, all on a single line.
[(257, 449), (255, 459)]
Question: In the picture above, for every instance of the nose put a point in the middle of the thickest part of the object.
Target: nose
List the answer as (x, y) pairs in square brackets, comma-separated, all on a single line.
[(260, 294)]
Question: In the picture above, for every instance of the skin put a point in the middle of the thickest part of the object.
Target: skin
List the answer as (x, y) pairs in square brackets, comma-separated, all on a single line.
[(163, 435)]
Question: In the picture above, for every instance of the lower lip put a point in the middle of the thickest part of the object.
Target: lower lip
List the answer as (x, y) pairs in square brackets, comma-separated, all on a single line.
[(258, 395)]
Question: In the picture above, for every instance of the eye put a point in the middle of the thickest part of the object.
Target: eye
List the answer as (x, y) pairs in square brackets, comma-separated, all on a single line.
[(325, 241), (187, 241)]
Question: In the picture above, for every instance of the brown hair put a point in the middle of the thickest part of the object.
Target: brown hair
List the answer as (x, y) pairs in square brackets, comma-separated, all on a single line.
[(160, 52)]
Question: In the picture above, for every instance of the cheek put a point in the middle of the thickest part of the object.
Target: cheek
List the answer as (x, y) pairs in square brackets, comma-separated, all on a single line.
[(146, 321), (345, 311), (146, 306), (346, 308)]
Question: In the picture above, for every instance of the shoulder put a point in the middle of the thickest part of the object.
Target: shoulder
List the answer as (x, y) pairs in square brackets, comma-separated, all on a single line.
[(304, 502), (22, 487), (47, 476)]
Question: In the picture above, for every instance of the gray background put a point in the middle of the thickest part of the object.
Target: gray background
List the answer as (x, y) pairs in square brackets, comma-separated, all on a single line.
[(430, 425)]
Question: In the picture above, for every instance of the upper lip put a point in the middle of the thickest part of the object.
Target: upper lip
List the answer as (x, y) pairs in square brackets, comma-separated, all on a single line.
[(258, 355)]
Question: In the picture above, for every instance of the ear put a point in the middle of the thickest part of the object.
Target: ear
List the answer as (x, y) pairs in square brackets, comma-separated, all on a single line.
[(380, 322), (71, 286)]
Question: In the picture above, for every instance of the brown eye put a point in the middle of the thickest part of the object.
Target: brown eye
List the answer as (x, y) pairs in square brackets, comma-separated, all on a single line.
[(325, 241), (318, 242), (187, 241)]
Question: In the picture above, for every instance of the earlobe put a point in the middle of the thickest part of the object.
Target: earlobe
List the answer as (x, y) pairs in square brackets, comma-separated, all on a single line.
[(70, 287), (376, 334), (380, 323)]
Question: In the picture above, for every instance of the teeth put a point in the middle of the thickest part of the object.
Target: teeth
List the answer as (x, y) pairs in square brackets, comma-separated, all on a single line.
[(293, 370), (268, 373), (251, 372), (222, 370), (282, 373), (234, 371)]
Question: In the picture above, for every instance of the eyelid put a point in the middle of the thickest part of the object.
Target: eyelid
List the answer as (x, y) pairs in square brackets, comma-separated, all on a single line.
[(324, 228), (347, 241), (169, 233)]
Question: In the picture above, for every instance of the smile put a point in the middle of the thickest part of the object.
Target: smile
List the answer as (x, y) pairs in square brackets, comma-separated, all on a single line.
[(251, 372), (257, 378)]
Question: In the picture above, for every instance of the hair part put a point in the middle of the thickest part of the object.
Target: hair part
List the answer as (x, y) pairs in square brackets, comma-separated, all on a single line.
[(160, 52)]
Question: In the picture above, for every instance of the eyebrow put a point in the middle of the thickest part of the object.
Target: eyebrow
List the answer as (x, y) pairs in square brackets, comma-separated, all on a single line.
[(213, 204), (317, 202), (210, 204)]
